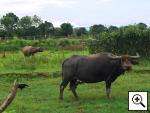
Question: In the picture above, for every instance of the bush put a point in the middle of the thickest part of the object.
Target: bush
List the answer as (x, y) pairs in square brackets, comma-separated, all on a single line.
[(127, 40), (64, 42), (93, 46)]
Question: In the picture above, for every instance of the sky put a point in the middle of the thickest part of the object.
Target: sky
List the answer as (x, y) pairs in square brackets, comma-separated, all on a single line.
[(81, 12)]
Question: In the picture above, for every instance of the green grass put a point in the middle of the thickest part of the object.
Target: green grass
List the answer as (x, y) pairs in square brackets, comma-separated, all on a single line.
[(42, 95), (47, 61)]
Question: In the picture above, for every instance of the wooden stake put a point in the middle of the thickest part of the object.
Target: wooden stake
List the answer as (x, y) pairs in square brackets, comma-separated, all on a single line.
[(8, 100)]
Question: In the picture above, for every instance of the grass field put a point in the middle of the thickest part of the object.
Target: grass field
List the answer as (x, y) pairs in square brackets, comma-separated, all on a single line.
[(42, 95), (47, 61)]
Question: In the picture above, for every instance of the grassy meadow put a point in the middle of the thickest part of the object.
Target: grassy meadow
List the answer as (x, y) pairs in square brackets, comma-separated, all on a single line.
[(47, 61), (42, 95)]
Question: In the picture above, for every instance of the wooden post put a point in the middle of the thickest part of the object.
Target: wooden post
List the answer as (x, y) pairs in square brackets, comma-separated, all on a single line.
[(8, 100)]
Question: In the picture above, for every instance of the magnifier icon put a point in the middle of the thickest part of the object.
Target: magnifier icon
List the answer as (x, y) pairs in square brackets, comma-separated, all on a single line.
[(137, 99)]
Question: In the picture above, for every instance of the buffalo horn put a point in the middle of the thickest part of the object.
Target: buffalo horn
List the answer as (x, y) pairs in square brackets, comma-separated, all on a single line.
[(135, 57)]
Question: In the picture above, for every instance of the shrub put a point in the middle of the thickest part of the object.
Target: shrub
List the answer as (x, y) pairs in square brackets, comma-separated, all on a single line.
[(127, 40)]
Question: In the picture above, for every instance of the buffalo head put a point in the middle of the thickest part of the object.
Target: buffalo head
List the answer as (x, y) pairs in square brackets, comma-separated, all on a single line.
[(40, 49), (126, 61)]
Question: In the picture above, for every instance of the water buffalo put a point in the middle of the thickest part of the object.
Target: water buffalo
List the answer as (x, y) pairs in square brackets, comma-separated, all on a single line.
[(94, 68), (29, 50)]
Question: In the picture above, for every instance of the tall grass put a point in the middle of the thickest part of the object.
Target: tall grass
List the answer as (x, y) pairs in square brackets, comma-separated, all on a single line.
[(42, 94), (50, 44), (47, 61)]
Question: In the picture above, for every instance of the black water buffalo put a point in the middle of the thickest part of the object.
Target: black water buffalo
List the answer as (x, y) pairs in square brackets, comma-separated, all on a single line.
[(94, 68), (29, 50)]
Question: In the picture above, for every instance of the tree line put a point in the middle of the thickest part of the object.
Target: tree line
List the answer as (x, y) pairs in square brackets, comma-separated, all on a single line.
[(129, 39), (11, 25), (125, 39)]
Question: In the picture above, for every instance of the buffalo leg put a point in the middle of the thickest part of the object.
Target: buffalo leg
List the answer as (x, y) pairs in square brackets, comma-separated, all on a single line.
[(62, 87), (73, 87), (108, 89)]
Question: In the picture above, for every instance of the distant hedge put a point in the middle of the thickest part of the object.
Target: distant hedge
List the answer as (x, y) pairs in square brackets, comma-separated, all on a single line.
[(50, 44), (126, 40)]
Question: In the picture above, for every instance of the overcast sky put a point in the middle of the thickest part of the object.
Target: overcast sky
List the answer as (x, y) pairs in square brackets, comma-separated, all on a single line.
[(81, 12)]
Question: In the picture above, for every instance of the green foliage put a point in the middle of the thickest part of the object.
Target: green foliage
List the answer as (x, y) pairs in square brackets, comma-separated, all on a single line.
[(93, 46), (96, 29), (142, 26), (36, 21), (11, 26), (32, 26), (25, 22), (12, 111), (50, 44), (112, 28), (64, 42), (3, 33), (57, 31), (67, 29), (47, 61), (128, 40), (9, 21), (14, 44), (46, 29), (80, 31)]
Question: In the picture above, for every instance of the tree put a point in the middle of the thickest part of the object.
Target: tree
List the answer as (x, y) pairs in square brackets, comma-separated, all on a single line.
[(2, 31), (46, 29), (112, 28), (96, 29), (10, 21), (32, 31), (80, 31), (36, 21), (67, 29), (28, 26), (20, 32), (142, 26), (25, 22), (58, 31), (24, 27)]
